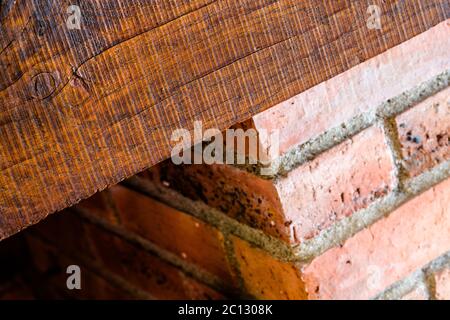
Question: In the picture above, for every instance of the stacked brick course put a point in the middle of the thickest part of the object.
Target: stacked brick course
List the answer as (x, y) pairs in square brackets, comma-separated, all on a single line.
[(357, 208)]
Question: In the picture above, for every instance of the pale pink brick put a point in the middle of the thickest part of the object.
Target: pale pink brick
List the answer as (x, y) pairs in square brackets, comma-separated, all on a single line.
[(337, 183), (359, 89), (375, 258), (425, 133)]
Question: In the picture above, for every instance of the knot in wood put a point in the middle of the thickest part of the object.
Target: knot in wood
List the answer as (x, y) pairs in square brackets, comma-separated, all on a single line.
[(43, 85)]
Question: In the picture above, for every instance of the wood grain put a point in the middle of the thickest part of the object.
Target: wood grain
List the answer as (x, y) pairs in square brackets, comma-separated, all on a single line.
[(81, 110)]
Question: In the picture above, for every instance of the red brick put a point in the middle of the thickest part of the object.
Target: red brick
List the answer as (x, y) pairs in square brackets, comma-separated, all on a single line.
[(16, 289), (265, 277), (425, 133), (134, 265), (50, 265), (337, 183), (13, 258), (95, 287), (359, 89), (145, 270), (442, 284), (73, 236), (101, 205), (186, 236), (67, 230), (389, 250), (198, 291)]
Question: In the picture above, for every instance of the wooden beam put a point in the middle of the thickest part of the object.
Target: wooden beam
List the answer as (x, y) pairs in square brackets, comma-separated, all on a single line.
[(82, 109)]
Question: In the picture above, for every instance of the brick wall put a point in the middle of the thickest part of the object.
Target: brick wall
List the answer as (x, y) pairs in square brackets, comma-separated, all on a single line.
[(357, 208)]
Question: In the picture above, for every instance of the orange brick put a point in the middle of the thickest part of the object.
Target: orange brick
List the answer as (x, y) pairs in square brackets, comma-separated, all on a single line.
[(442, 284), (425, 133), (184, 235), (389, 250), (267, 278)]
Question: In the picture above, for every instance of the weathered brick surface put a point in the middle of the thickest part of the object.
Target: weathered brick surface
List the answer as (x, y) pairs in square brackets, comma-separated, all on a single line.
[(359, 89), (339, 182), (342, 180), (265, 277), (173, 230), (237, 193), (410, 237), (442, 284), (425, 133)]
